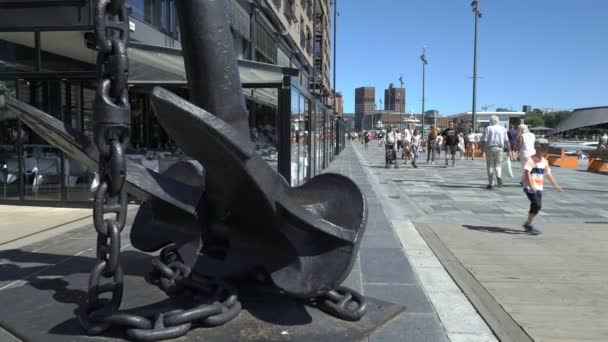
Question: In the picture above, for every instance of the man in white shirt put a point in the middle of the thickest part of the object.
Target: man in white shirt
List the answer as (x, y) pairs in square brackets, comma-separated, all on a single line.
[(390, 148), (493, 142)]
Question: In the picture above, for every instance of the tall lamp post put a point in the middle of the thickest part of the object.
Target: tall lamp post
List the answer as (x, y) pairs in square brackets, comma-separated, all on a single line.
[(477, 13), (335, 3), (403, 108), (424, 62)]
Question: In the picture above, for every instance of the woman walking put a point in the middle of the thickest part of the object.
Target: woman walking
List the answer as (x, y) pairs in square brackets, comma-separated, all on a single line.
[(430, 145), (416, 143), (525, 144), (461, 147), (439, 144), (471, 146)]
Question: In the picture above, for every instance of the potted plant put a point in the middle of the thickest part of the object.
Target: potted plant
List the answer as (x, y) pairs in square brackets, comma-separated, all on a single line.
[(5, 90)]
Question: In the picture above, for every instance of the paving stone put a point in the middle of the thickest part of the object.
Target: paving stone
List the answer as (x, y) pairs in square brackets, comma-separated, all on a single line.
[(380, 241), (457, 313), (436, 280), (471, 337), (386, 266), (354, 278), (411, 296), (411, 327)]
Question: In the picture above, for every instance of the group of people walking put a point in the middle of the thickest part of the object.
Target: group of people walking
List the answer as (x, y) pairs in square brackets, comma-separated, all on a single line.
[(407, 141), (519, 144), (531, 153)]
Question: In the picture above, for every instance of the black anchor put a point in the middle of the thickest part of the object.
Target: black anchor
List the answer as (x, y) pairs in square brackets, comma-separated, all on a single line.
[(228, 212)]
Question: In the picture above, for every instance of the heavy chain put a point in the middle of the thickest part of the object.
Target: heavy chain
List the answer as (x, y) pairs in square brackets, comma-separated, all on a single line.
[(212, 303), (111, 135), (215, 302)]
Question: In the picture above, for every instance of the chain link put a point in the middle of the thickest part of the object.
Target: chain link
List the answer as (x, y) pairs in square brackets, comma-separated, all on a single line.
[(111, 135), (344, 303)]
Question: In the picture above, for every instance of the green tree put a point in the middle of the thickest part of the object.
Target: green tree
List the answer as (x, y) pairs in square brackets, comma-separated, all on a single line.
[(534, 120), (553, 119)]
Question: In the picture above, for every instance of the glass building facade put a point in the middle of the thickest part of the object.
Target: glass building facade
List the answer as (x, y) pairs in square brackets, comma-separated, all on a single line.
[(55, 72)]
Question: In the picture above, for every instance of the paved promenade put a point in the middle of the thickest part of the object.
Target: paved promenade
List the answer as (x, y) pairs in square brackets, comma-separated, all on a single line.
[(544, 288), (453, 253), (18, 223)]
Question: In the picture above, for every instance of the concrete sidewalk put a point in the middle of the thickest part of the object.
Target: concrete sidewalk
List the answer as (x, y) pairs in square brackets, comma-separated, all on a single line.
[(458, 317), (451, 252), (544, 288), (24, 225), (382, 270)]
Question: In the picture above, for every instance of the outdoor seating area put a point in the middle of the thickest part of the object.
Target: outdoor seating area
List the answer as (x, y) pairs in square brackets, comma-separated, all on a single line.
[(557, 157), (598, 161)]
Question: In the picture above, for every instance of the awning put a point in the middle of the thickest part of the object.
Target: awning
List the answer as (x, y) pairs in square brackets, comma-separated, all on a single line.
[(155, 64), (148, 64), (160, 65)]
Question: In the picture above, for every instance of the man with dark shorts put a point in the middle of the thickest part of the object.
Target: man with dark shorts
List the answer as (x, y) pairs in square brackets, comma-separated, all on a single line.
[(450, 140), (512, 136)]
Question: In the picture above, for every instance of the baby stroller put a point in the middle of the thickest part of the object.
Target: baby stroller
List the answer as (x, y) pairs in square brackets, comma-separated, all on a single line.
[(391, 157)]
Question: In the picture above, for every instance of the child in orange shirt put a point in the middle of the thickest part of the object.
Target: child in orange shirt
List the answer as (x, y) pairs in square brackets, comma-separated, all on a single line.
[(534, 171)]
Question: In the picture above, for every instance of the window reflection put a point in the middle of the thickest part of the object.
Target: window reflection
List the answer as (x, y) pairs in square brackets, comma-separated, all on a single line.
[(9, 135), (17, 51), (264, 132)]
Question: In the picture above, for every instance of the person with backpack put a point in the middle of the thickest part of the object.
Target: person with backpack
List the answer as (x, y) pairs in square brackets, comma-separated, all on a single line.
[(430, 145), (366, 138), (380, 139)]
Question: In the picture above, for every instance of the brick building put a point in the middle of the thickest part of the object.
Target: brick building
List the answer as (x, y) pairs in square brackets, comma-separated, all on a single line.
[(365, 103), (394, 99)]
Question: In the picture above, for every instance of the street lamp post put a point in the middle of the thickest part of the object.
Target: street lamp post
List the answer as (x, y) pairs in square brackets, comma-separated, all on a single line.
[(424, 62), (477, 13), (335, 3), (402, 109)]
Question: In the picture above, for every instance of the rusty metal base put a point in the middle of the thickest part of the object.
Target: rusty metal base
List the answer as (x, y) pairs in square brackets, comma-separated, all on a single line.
[(44, 310)]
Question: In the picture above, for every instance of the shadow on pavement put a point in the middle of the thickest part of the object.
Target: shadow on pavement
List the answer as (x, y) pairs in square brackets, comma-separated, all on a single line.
[(494, 229), (46, 306), (594, 173), (463, 186)]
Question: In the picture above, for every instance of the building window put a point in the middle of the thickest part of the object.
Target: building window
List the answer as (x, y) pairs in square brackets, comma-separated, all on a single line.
[(288, 11), (164, 22), (241, 44), (266, 46), (142, 9), (158, 13), (17, 51), (172, 16)]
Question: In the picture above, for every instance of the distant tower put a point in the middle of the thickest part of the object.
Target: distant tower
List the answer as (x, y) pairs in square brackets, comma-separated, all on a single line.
[(365, 103), (394, 99)]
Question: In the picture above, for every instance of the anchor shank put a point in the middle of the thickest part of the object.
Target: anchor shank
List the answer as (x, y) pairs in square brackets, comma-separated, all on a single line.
[(211, 69)]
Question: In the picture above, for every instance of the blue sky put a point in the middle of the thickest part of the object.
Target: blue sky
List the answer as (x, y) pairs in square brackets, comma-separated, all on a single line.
[(546, 53)]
